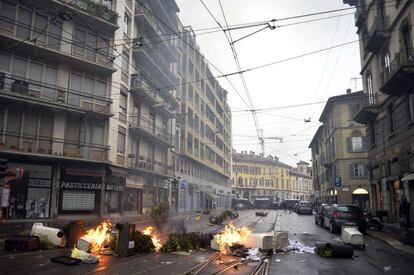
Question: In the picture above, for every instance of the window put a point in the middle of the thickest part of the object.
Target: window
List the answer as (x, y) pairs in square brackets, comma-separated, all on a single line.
[(370, 90), (55, 30), (391, 118), (121, 141), (24, 23), (8, 15), (372, 132), (19, 68), (92, 47), (411, 106), (75, 89), (358, 170), (127, 25), (356, 144), (40, 27), (35, 75), (123, 103), (387, 61), (104, 45), (73, 131), (125, 62), (13, 127), (79, 41), (46, 132)]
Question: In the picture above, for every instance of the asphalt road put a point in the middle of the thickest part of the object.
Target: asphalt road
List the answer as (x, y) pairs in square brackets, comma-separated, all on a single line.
[(377, 258), (377, 255)]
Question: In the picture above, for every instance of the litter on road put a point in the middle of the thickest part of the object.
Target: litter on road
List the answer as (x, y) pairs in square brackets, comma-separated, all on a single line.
[(299, 247)]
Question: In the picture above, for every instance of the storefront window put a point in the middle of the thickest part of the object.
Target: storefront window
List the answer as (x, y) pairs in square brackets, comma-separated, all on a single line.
[(113, 194), (30, 198), (132, 200)]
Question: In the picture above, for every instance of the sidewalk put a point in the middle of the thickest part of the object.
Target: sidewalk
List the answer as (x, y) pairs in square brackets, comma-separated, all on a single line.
[(396, 237)]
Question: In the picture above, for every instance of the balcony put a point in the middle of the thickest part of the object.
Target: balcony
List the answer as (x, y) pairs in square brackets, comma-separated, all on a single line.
[(377, 35), (399, 77), (40, 146), (88, 9), (159, 69), (147, 20), (368, 110), (150, 166), (162, 100), (52, 97), (47, 49), (141, 126), (360, 16)]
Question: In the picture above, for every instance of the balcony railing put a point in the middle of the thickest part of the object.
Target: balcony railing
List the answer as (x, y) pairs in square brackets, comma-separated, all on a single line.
[(377, 35), (149, 128), (40, 93), (54, 147), (147, 164), (94, 9), (360, 15), (399, 76), (142, 11), (139, 82)]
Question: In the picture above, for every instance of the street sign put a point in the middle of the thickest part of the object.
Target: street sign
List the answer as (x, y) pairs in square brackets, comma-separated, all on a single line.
[(338, 181)]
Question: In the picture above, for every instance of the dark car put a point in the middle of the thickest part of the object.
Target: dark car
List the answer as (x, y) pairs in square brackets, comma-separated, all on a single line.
[(320, 214), (304, 208), (275, 205), (344, 214)]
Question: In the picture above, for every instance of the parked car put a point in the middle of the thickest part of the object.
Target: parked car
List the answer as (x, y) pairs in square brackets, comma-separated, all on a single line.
[(295, 207), (286, 204), (320, 214), (275, 205), (304, 208), (344, 214)]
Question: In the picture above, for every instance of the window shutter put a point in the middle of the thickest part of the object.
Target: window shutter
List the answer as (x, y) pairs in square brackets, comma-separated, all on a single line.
[(349, 144), (364, 144), (365, 170), (351, 171)]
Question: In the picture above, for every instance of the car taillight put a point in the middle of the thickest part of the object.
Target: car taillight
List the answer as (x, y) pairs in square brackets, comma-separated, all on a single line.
[(336, 215)]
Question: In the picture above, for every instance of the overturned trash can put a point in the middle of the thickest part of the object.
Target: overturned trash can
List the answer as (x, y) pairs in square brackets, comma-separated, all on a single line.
[(73, 231), (332, 250)]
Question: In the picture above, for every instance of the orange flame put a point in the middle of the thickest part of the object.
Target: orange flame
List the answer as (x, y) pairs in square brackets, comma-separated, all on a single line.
[(154, 238), (231, 236), (99, 235)]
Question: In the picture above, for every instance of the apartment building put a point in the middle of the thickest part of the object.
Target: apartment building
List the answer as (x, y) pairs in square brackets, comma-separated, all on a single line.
[(339, 153), (87, 106), (56, 106), (301, 185), (256, 176), (387, 60), (203, 135)]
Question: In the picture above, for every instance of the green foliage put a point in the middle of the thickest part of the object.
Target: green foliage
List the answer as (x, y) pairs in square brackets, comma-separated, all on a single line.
[(181, 242), (45, 244), (325, 252), (160, 212), (143, 243), (98, 10)]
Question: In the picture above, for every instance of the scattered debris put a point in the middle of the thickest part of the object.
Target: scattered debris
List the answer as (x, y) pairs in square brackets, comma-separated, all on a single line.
[(328, 250), (301, 261), (299, 247), (254, 254), (54, 235), (387, 268), (278, 260), (84, 256)]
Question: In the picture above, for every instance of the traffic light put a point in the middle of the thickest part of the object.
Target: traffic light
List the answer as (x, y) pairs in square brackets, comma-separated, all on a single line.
[(3, 168)]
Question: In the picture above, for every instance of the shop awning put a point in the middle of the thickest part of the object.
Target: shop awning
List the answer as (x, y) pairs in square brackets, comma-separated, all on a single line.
[(84, 170), (117, 171), (211, 195), (408, 177)]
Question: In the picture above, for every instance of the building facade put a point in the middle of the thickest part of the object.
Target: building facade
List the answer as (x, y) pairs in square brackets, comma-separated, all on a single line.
[(255, 176), (387, 59), (89, 94), (339, 153), (203, 135), (301, 185)]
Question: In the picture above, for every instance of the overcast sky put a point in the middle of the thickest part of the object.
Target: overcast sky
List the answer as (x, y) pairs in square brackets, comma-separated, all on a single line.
[(303, 80)]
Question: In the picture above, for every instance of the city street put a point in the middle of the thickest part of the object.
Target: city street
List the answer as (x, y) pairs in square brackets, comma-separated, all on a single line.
[(377, 256)]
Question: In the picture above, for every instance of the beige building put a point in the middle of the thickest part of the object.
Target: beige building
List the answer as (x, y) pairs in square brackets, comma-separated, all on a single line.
[(301, 185), (255, 176), (339, 152), (387, 59), (203, 135)]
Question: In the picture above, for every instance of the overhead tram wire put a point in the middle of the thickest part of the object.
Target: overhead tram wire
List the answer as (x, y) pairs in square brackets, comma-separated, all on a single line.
[(229, 39), (195, 50)]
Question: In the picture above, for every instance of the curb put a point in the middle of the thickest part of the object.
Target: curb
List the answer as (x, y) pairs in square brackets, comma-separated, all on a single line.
[(392, 242)]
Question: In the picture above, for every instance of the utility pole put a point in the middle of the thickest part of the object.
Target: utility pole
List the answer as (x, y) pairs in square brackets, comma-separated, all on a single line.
[(355, 79)]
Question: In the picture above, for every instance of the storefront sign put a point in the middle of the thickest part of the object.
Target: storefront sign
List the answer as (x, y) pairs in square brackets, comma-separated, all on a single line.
[(39, 182), (112, 187), (81, 185)]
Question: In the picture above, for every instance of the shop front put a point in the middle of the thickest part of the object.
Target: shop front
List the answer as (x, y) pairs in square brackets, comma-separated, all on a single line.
[(30, 198), (133, 195), (114, 190), (80, 189)]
